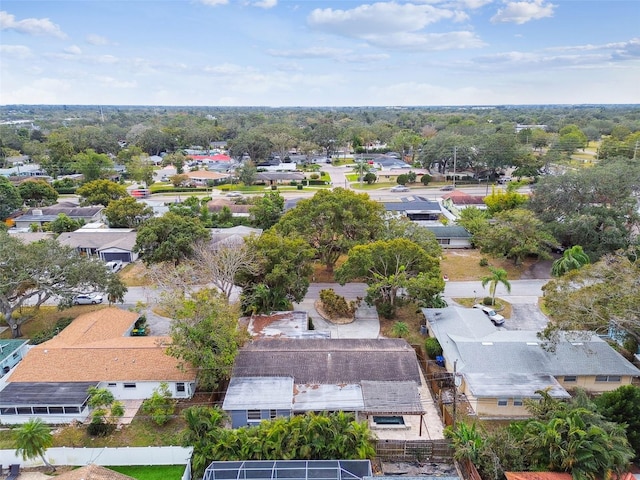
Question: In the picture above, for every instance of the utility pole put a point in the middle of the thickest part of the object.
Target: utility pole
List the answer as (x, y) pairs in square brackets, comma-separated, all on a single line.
[(455, 392), (455, 155)]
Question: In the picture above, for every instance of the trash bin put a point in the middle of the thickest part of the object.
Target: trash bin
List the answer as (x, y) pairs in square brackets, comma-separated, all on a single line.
[(440, 360), (423, 329)]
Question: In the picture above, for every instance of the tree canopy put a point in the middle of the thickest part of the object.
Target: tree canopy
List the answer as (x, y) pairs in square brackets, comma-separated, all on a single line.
[(205, 335), (101, 192), (170, 238), (37, 193), (10, 199), (333, 221), (32, 273), (127, 212)]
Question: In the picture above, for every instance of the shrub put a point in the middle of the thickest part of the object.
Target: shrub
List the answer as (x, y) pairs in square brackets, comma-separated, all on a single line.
[(100, 429), (299, 187), (425, 179), (48, 334), (336, 305), (487, 301), (314, 176), (160, 406), (274, 187), (402, 179), (387, 310), (293, 183), (400, 329), (432, 347), (484, 262)]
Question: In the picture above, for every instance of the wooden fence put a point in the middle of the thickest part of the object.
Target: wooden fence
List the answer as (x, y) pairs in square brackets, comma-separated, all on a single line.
[(468, 470), (414, 450)]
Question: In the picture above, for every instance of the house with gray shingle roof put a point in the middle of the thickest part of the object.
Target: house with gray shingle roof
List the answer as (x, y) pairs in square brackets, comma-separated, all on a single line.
[(108, 244), (500, 368), (451, 236), (374, 378), (44, 215)]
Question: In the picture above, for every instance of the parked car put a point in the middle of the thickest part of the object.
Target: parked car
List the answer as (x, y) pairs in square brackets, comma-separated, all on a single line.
[(115, 266), (448, 188), (87, 299), (495, 317), (400, 188)]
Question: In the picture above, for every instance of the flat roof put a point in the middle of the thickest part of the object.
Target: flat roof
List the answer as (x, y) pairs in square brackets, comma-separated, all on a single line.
[(249, 393), (57, 393)]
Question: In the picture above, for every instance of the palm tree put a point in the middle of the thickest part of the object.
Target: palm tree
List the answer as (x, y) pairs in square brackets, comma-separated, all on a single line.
[(498, 275), (400, 329), (572, 259), (33, 438)]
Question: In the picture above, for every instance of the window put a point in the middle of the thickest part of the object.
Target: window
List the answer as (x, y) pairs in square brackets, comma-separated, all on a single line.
[(608, 378), (273, 414), (7, 411), (517, 402), (570, 378), (129, 385), (615, 378), (15, 355), (111, 385), (40, 411), (55, 410), (24, 411), (71, 410), (253, 415), (180, 387), (444, 241), (503, 402)]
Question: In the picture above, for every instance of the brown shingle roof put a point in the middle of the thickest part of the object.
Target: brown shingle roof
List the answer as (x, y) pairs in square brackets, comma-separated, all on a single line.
[(93, 472), (95, 347), (328, 361)]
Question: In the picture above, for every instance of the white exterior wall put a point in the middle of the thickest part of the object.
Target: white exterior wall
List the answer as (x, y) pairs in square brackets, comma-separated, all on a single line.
[(144, 390), (48, 419)]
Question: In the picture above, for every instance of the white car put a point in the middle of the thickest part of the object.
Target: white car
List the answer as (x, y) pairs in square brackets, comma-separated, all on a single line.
[(114, 266), (400, 188), (234, 194), (495, 317), (87, 299)]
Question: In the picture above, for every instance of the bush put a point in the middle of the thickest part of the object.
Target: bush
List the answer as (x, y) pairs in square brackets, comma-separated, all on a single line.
[(293, 183), (484, 262), (100, 429), (160, 406), (425, 179), (432, 347), (48, 334), (387, 310), (487, 301), (314, 176), (402, 179), (274, 187), (299, 187), (336, 305)]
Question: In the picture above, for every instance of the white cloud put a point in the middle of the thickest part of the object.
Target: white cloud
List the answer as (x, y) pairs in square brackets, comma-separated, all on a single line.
[(214, 3), (94, 39), (30, 26), (73, 50), (16, 51), (523, 12), (383, 18), (110, 82), (427, 41), (266, 4), (312, 52)]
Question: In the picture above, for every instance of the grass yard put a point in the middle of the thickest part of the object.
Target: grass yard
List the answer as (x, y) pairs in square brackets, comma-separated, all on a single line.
[(159, 472), (464, 265), (135, 275)]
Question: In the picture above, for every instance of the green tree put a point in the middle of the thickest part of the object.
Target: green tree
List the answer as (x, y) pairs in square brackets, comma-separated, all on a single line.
[(101, 192), (596, 297), (370, 178), (64, 223), (401, 227), (92, 165), (387, 266), (160, 406), (498, 277), (33, 438), (170, 238), (333, 221), (467, 440), (247, 173), (500, 200), (267, 210), (127, 212), (282, 276), (35, 272), (400, 329), (568, 442), (140, 169), (474, 220), (205, 336), (572, 259), (515, 234), (622, 406), (10, 199), (37, 193), (106, 411)]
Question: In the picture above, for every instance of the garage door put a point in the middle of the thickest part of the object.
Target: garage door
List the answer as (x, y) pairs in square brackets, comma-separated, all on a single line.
[(111, 256)]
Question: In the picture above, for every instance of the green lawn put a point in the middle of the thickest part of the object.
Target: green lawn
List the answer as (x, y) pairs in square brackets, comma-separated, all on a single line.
[(159, 472)]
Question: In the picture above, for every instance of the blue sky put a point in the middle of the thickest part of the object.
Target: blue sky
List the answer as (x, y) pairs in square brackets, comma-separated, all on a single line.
[(319, 53)]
